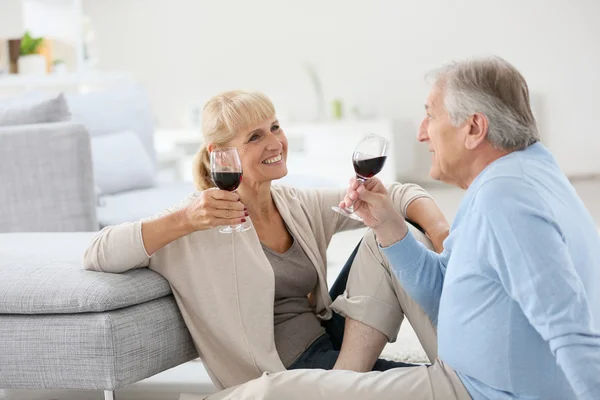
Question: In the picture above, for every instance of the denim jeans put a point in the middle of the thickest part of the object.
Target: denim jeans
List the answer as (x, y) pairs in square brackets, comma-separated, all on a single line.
[(324, 351)]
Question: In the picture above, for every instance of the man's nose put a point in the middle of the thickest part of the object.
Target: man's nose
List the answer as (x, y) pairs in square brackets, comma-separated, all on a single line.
[(422, 134)]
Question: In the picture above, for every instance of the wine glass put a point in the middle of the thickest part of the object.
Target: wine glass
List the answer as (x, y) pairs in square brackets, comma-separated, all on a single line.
[(226, 171), (368, 159)]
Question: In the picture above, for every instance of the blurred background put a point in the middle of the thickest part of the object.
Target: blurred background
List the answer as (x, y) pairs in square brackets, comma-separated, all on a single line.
[(100, 104), (337, 66)]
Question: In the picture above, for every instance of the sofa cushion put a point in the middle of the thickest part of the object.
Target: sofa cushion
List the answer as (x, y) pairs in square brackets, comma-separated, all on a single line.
[(137, 204), (33, 108), (42, 273), (121, 163), (125, 108)]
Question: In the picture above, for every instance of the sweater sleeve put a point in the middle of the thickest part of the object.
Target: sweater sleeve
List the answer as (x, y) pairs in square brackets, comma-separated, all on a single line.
[(421, 272)]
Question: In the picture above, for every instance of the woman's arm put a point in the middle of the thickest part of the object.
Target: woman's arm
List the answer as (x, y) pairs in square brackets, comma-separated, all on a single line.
[(158, 233), (116, 249), (415, 204), (426, 214), (127, 246), (123, 247), (418, 207)]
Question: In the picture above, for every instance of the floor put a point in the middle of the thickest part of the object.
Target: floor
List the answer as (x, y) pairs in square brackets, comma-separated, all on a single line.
[(189, 377)]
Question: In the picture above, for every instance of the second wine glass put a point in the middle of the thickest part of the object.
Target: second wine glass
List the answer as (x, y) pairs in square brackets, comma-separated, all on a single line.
[(368, 160), (226, 172)]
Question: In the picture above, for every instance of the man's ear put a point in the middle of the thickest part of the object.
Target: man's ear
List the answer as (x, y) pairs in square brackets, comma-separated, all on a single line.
[(479, 125)]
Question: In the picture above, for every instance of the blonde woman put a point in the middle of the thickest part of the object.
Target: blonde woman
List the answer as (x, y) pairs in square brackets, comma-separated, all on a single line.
[(258, 300)]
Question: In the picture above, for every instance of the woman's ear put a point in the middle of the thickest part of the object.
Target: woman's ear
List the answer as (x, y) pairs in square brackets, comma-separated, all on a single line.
[(210, 147)]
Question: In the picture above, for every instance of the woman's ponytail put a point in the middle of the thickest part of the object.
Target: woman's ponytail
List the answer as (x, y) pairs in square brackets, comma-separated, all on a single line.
[(201, 169)]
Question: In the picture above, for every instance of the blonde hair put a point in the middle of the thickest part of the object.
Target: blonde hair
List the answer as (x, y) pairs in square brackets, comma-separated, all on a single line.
[(223, 117)]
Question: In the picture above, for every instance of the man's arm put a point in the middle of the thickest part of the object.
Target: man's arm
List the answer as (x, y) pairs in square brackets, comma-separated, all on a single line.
[(535, 268), (420, 270)]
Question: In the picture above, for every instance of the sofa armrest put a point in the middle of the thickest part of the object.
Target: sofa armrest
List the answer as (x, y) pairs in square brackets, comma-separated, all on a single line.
[(46, 179)]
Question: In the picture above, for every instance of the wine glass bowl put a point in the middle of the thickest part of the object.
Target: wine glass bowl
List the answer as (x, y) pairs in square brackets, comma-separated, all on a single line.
[(368, 160), (366, 168), (226, 172), (226, 180)]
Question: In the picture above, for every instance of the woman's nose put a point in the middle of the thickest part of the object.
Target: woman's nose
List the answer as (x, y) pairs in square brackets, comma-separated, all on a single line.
[(275, 143)]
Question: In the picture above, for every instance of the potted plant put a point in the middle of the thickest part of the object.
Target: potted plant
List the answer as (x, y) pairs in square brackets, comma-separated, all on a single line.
[(30, 61)]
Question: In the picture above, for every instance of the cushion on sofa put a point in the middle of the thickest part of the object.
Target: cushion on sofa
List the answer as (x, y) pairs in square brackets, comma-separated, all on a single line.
[(125, 108), (33, 108), (121, 163), (42, 273), (138, 204)]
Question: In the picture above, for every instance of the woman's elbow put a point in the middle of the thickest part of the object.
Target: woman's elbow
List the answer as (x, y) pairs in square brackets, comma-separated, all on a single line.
[(90, 260)]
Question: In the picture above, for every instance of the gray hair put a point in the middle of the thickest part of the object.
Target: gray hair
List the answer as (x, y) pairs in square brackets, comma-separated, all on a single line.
[(495, 88)]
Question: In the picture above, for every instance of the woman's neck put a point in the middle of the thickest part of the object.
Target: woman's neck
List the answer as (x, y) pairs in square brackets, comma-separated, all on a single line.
[(257, 198)]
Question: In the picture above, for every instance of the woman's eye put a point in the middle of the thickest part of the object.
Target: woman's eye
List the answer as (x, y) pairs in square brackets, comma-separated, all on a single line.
[(274, 128), (254, 138)]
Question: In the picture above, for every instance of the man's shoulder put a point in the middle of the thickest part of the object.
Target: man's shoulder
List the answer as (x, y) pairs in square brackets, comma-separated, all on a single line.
[(505, 193)]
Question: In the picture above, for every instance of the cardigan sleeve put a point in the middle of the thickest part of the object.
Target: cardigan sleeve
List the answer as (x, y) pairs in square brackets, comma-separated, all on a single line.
[(120, 248)]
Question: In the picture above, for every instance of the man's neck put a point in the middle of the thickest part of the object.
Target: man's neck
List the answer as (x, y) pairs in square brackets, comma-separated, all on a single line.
[(482, 159)]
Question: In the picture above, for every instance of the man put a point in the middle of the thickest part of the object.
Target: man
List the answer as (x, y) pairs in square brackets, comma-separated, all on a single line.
[(514, 297)]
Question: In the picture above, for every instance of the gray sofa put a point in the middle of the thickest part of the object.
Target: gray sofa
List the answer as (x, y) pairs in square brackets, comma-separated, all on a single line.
[(62, 327), (66, 328), (80, 162)]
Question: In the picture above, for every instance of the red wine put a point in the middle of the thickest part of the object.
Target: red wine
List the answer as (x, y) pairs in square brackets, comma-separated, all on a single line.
[(227, 180), (369, 167)]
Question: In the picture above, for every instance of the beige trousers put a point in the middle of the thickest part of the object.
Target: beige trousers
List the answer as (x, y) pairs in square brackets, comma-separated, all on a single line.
[(375, 297)]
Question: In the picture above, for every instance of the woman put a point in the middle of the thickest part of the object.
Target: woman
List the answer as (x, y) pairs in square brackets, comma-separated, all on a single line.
[(254, 301)]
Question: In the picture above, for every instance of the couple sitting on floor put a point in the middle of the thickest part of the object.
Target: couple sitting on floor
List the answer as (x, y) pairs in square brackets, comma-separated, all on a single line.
[(506, 302)]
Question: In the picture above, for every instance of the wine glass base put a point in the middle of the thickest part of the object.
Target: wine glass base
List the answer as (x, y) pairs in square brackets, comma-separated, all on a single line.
[(346, 213), (242, 228), (226, 229), (235, 228)]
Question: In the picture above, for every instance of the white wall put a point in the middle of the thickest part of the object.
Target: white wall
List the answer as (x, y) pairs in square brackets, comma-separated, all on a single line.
[(373, 54)]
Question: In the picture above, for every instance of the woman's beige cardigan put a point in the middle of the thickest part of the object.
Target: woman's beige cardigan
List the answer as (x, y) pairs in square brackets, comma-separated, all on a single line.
[(224, 284)]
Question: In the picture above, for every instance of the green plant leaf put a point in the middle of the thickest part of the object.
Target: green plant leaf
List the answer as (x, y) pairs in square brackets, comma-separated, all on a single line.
[(29, 44)]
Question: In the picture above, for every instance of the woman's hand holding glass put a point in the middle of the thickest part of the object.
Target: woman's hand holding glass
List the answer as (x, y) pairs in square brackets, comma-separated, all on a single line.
[(214, 207)]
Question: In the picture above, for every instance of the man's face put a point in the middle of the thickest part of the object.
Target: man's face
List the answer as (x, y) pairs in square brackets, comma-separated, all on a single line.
[(445, 141)]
